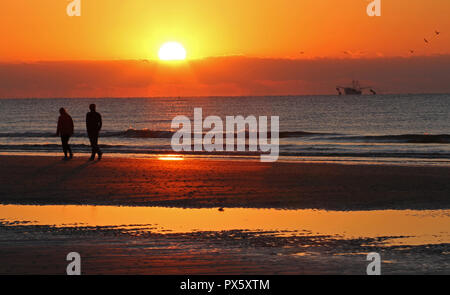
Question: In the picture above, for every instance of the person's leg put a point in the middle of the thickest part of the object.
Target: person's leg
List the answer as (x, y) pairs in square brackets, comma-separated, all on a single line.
[(95, 140), (69, 148), (99, 152), (93, 144), (64, 145)]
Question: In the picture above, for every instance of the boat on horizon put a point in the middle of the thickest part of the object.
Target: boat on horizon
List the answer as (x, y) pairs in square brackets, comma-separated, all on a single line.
[(354, 89)]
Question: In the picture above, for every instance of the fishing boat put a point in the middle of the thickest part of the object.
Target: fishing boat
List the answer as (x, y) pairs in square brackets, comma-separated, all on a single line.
[(354, 89)]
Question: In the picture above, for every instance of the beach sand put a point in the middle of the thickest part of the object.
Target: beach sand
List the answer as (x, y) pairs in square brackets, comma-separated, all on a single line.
[(215, 183), (41, 249)]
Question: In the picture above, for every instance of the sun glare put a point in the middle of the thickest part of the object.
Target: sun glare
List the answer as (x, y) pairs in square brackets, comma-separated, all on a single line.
[(172, 51), (171, 158)]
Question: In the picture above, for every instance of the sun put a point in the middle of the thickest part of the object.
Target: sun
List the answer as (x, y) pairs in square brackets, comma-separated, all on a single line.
[(172, 51)]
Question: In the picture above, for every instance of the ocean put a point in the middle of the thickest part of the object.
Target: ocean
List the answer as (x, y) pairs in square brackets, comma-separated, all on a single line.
[(410, 129)]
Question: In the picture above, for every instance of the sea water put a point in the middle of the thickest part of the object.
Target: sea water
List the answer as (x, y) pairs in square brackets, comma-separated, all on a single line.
[(402, 129)]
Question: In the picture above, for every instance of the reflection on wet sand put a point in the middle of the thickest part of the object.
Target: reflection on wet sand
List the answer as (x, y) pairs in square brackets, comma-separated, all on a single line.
[(409, 227)]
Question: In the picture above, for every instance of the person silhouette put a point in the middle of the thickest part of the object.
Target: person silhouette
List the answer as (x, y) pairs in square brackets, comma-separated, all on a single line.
[(93, 126), (65, 130)]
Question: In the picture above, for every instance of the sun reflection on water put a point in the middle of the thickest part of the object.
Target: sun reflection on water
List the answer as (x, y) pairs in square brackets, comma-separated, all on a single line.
[(404, 226)]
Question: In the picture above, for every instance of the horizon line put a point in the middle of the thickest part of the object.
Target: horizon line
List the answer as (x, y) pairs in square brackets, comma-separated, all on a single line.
[(187, 60), (230, 96)]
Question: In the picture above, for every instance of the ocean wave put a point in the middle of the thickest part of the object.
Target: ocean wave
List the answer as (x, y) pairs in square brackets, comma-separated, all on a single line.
[(333, 137), (147, 133), (130, 133), (166, 149), (143, 133), (27, 134), (404, 138)]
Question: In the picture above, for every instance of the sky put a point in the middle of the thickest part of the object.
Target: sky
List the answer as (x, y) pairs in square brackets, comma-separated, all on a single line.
[(224, 39)]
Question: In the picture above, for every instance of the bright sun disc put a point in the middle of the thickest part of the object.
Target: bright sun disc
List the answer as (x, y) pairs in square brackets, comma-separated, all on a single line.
[(172, 51)]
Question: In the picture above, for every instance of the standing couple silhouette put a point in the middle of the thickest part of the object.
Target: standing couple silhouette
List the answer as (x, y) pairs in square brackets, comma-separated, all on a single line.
[(66, 129)]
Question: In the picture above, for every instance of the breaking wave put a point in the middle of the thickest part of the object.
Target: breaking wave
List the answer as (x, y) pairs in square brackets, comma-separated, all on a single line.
[(147, 133)]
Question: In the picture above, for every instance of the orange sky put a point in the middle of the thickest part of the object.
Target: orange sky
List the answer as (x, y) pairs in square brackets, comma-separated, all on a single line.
[(118, 29), (234, 47)]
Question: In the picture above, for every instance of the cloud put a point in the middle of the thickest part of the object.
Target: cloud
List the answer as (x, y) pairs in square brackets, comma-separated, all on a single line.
[(233, 75)]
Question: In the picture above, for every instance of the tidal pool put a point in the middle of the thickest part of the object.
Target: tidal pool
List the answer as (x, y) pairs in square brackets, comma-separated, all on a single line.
[(406, 227)]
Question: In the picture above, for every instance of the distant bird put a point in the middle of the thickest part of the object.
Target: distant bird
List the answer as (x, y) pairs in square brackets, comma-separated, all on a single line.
[(437, 32), (412, 51), (426, 41)]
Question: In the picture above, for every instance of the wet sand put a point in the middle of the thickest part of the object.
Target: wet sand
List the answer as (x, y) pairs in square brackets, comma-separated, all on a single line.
[(36, 244), (214, 183), (32, 249)]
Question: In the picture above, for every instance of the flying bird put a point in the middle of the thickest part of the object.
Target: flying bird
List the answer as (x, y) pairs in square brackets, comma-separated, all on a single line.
[(437, 32), (426, 41)]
